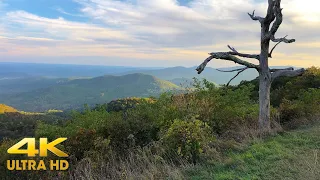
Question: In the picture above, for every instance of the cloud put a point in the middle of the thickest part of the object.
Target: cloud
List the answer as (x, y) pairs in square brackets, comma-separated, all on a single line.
[(60, 10), (160, 29), (304, 11), (21, 22)]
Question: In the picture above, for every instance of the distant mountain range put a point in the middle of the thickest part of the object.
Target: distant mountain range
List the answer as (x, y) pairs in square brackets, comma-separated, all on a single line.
[(173, 74), (70, 94), (40, 87), (9, 69), (180, 74)]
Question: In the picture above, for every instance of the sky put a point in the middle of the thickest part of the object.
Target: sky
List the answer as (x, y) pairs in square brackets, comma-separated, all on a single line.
[(145, 33)]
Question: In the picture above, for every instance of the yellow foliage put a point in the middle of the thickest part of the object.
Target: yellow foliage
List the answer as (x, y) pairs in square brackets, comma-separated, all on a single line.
[(5, 109)]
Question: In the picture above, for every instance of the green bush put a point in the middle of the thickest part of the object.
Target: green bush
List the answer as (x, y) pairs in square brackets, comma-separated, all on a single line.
[(80, 143), (93, 120), (187, 138), (306, 105), (225, 108)]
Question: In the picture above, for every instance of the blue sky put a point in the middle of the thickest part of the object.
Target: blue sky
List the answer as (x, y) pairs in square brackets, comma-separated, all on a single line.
[(149, 32), (48, 8)]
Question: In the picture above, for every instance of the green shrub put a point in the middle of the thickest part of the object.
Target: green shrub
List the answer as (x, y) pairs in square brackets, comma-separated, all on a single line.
[(92, 120), (306, 105), (226, 108), (80, 143), (187, 138)]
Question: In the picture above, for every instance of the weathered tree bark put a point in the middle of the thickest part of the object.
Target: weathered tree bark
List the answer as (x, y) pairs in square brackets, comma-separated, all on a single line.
[(264, 80), (266, 75), (264, 101)]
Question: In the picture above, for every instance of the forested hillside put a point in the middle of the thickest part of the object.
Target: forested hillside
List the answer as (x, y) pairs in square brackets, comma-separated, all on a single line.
[(169, 137), (73, 93), (15, 125)]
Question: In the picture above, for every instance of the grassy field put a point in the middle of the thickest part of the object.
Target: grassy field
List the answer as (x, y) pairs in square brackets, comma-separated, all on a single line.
[(291, 155)]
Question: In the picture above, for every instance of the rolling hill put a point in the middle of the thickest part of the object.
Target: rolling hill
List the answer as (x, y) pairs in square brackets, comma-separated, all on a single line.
[(72, 94), (180, 74)]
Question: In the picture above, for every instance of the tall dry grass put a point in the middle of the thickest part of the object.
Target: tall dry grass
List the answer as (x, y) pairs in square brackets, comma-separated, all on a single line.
[(139, 164)]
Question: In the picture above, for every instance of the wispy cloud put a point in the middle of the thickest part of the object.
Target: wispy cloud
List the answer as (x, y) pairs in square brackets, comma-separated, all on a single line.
[(160, 29), (60, 10), (22, 22)]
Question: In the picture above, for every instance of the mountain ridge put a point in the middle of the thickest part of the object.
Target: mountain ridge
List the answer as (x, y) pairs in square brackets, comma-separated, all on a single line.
[(74, 93)]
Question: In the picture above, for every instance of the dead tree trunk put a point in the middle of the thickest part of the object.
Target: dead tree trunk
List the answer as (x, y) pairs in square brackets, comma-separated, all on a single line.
[(264, 80), (264, 99), (266, 75)]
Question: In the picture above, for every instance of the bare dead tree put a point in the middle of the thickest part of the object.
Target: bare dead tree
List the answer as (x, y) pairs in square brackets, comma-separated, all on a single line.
[(266, 75)]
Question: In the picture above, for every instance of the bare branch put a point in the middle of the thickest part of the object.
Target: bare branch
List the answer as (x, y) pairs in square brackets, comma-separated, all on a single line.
[(270, 54), (273, 39), (256, 18), (288, 69), (229, 57), (232, 70), (278, 15), (237, 75), (288, 73), (225, 56), (201, 67), (236, 53), (232, 49)]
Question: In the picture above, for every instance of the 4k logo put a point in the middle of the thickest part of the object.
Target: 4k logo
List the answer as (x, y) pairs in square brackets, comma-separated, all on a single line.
[(31, 151)]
